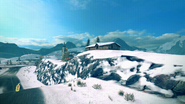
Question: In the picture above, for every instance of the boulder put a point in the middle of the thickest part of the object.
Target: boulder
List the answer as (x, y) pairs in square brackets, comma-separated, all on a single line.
[(138, 70), (132, 69), (153, 65), (164, 82), (97, 72), (132, 79), (110, 61), (133, 58), (180, 88), (112, 76)]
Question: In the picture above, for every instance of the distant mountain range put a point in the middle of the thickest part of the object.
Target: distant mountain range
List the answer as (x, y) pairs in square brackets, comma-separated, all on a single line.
[(8, 50), (125, 46), (177, 46)]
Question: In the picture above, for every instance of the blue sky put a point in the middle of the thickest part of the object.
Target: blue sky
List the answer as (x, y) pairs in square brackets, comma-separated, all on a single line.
[(45, 23)]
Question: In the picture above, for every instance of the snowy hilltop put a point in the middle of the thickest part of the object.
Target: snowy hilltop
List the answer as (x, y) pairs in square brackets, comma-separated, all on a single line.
[(177, 46), (160, 74)]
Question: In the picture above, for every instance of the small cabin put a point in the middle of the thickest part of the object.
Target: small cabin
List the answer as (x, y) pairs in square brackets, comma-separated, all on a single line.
[(104, 46)]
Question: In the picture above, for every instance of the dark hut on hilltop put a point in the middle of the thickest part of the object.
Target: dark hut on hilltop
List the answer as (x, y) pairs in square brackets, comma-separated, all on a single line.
[(103, 46)]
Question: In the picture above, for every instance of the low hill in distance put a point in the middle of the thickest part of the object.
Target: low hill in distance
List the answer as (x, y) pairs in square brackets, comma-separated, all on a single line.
[(8, 50)]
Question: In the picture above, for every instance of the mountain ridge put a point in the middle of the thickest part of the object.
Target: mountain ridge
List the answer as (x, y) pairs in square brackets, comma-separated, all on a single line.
[(8, 50), (176, 46)]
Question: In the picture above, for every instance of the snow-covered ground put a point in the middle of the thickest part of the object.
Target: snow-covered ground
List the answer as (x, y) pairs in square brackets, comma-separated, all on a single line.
[(62, 93), (25, 57), (170, 65), (149, 56), (28, 78)]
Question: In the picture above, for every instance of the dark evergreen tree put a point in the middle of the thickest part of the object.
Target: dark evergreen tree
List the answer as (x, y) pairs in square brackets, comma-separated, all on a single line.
[(19, 59), (88, 42), (97, 39), (10, 62), (7, 63)]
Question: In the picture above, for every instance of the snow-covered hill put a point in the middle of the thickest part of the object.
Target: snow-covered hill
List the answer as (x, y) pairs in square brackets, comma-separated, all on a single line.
[(25, 57), (71, 93), (177, 46), (151, 72)]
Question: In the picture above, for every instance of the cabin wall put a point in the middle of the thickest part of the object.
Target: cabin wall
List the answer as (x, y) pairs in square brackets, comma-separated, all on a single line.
[(107, 47), (115, 47)]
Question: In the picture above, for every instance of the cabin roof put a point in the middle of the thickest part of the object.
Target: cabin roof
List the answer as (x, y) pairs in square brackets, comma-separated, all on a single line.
[(102, 44)]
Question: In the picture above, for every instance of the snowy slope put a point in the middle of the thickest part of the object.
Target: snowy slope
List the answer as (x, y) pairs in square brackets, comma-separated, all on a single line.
[(134, 69), (63, 94), (177, 46), (28, 78), (114, 70), (25, 57)]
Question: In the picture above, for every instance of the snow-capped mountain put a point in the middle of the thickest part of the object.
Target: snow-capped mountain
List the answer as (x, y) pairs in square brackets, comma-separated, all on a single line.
[(177, 46)]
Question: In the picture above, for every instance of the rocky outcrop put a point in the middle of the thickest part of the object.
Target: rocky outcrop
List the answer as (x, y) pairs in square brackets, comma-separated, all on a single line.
[(163, 81), (80, 67), (112, 76), (132, 79), (179, 89), (153, 65), (86, 66), (132, 58)]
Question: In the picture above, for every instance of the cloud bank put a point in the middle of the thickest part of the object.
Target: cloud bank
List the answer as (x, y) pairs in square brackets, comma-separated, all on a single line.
[(141, 39)]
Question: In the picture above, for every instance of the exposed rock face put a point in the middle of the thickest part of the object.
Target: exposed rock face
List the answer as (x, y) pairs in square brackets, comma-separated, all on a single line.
[(153, 65), (163, 81), (97, 72), (82, 67), (133, 58), (112, 76), (132, 79), (180, 88)]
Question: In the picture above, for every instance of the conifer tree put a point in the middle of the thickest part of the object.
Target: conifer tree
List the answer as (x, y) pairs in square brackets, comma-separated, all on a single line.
[(97, 39), (88, 42), (10, 62)]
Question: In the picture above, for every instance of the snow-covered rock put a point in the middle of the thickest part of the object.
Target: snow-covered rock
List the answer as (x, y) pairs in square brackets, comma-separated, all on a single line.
[(120, 66)]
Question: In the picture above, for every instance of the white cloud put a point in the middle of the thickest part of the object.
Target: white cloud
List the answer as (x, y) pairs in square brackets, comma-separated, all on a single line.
[(75, 38), (29, 41), (79, 4), (140, 39)]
